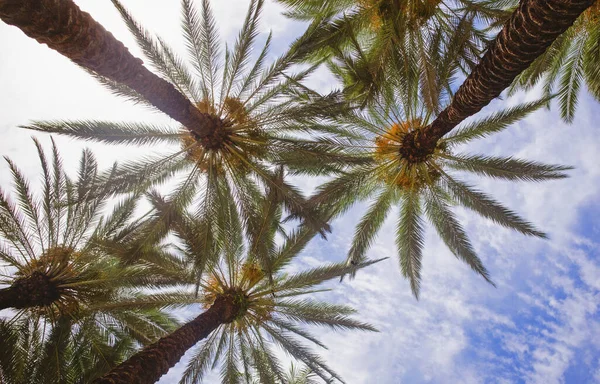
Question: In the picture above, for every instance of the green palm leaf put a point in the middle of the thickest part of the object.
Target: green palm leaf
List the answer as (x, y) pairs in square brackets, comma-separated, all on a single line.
[(570, 81), (489, 208), (452, 233), (109, 132), (507, 168), (494, 123), (370, 223), (409, 240)]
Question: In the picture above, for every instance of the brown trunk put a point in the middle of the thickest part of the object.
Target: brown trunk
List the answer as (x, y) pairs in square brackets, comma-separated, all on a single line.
[(533, 26), (35, 290), (75, 34), (148, 365)]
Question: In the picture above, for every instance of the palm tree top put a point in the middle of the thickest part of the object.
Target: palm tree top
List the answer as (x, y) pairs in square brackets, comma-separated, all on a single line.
[(61, 253), (257, 114), (273, 305), (421, 183), (33, 354), (368, 41)]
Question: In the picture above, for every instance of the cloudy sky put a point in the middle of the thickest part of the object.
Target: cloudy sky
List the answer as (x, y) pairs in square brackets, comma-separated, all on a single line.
[(540, 325)]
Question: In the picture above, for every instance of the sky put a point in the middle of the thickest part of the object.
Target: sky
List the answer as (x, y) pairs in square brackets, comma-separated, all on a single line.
[(540, 325)]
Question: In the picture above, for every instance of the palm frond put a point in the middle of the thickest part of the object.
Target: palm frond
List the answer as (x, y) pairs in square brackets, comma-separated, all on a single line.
[(163, 60), (200, 361), (409, 240), (321, 274), (242, 48), (338, 195), (487, 207), (109, 132), (318, 313), (507, 167), (452, 233), (494, 123), (370, 223), (303, 354), (570, 81)]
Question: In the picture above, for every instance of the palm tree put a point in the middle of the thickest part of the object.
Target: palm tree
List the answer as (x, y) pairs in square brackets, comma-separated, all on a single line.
[(61, 256), (571, 59), (381, 36), (422, 184), (531, 29), (253, 107), (76, 35), (248, 298), (63, 354)]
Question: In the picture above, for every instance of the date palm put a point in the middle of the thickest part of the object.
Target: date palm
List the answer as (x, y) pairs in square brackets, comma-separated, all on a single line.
[(56, 259), (252, 305), (526, 35), (423, 184), (62, 354), (383, 35), (253, 107), (570, 61)]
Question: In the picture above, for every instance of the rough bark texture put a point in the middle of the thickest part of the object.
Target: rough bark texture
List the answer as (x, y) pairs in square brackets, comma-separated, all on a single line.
[(533, 26), (36, 290), (75, 34), (148, 365)]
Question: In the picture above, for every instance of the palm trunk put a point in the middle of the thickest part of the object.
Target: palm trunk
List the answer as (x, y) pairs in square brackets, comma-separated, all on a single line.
[(148, 365), (75, 34), (35, 290), (533, 26)]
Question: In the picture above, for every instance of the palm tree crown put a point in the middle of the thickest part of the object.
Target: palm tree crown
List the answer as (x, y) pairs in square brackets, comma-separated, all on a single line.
[(271, 302), (251, 107), (421, 183), (259, 305), (369, 40), (271, 311), (63, 354), (55, 262)]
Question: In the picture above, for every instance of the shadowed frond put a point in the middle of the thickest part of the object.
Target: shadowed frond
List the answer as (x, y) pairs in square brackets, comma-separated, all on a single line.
[(370, 223), (569, 62)]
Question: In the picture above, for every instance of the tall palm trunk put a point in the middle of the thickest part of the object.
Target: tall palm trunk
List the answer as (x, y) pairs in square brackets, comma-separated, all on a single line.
[(148, 365), (533, 26), (35, 290), (75, 34)]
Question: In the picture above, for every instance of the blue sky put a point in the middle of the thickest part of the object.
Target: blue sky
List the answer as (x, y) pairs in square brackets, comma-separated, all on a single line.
[(540, 325)]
